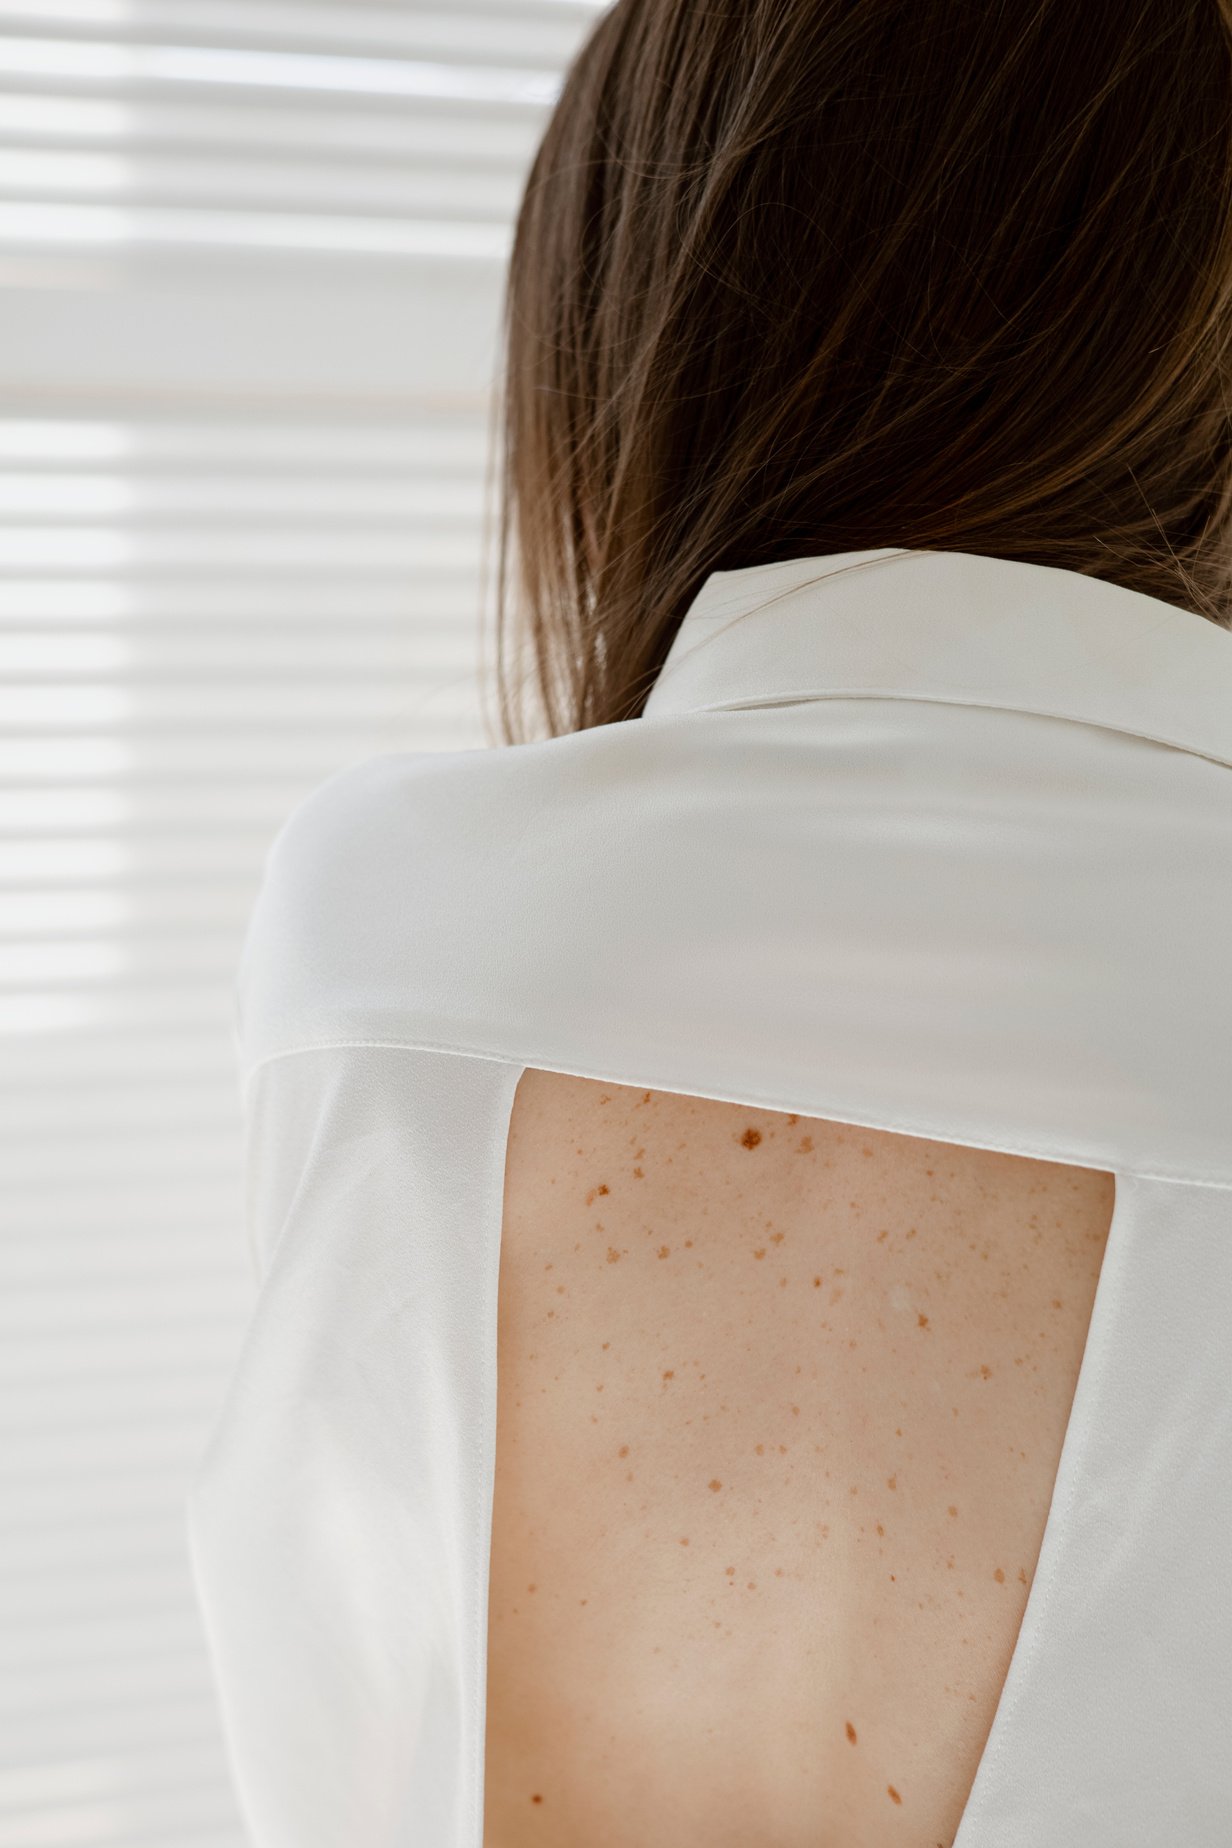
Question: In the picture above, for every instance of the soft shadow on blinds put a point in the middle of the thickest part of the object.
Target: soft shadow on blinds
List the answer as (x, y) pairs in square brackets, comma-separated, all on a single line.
[(250, 262)]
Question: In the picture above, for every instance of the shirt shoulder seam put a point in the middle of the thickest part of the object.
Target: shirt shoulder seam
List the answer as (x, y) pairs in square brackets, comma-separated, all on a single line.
[(458, 1049)]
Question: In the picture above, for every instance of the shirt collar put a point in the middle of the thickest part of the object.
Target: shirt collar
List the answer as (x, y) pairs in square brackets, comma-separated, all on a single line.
[(961, 627)]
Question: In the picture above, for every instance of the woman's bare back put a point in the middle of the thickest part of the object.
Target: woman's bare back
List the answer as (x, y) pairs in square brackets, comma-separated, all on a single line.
[(780, 1408)]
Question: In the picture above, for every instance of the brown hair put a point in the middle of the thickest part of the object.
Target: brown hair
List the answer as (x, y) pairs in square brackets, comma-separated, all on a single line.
[(795, 277)]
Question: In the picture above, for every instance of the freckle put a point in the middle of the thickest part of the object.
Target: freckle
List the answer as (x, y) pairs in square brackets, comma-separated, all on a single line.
[(782, 1450), (1022, 1577), (688, 1244), (752, 1585), (623, 1451), (751, 1138), (599, 1386), (817, 1283), (884, 1233), (921, 1321), (912, 1232), (1056, 1302), (792, 1121), (864, 1151), (664, 1251), (714, 1484), (851, 1732), (893, 1793), (806, 1145), (684, 1540), (532, 1588), (892, 1482), (761, 1253), (795, 1411), (637, 1174), (836, 1292), (670, 1374), (602, 1187), (761, 1449), (952, 1512), (606, 1345), (880, 1529), (613, 1256), (730, 1571), (999, 1576), (985, 1372), (776, 1238)]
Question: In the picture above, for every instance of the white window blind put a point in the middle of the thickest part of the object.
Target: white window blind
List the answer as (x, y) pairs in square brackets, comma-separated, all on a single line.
[(250, 262)]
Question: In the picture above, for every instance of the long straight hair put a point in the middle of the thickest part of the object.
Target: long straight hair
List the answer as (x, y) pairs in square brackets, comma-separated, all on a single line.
[(796, 277)]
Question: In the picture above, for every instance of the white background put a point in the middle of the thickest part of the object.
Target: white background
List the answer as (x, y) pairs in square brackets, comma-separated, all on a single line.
[(251, 254)]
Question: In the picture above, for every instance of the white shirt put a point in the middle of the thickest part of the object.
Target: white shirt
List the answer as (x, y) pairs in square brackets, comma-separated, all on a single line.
[(924, 841)]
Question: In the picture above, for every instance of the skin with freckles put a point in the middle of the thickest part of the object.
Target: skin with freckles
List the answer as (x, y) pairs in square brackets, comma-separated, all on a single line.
[(780, 1408)]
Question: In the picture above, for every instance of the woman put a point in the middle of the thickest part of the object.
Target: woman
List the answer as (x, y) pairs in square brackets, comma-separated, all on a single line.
[(743, 1199)]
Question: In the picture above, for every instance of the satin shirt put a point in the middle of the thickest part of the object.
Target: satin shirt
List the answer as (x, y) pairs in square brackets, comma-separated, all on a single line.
[(930, 842)]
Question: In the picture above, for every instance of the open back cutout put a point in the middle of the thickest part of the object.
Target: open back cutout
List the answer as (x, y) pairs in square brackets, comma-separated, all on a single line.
[(781, 1406)]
